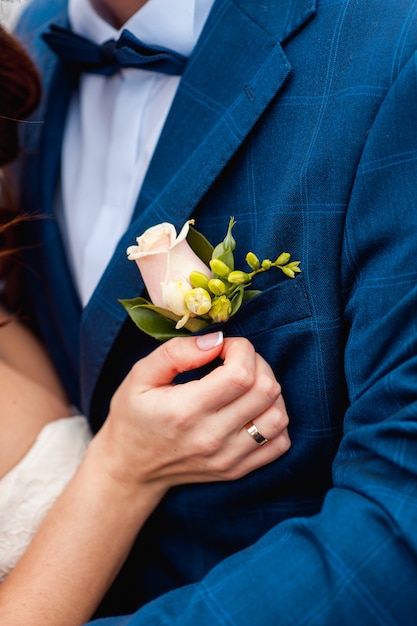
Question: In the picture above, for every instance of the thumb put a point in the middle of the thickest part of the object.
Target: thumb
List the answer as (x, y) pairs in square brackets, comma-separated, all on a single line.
[(178, 355)]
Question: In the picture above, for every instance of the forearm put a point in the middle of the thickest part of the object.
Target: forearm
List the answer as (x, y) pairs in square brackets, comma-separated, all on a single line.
[(78, 550)]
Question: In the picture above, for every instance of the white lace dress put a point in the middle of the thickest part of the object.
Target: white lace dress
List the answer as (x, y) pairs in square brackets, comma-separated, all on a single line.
[(30, 488)]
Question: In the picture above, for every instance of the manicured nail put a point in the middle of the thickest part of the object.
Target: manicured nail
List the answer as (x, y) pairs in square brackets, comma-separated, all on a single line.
[(212, 340)]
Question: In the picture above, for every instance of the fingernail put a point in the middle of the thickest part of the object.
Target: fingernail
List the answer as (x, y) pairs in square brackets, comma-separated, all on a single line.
[(212, 340)]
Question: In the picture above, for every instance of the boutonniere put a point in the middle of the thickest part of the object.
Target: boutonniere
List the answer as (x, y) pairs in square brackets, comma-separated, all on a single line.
[(192, 284)]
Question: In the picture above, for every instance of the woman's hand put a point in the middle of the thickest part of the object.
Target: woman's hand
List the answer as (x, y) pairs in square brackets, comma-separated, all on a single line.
[(157, 434), (167, 434)]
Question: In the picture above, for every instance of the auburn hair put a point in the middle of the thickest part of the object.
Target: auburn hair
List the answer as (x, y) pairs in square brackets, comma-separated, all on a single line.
[(20, 91)]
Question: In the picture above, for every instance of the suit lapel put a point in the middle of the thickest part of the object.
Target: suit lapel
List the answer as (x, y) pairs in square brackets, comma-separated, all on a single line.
[(220, 98), (57, 88)]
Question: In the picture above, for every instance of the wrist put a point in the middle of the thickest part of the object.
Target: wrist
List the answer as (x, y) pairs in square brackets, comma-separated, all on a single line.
[(118, 480)]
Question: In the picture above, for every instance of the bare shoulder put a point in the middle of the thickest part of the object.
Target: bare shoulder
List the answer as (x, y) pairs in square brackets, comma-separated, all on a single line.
[(20, 349)]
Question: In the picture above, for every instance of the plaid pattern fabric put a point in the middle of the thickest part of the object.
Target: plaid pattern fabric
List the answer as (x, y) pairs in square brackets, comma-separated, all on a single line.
[(308, 136)]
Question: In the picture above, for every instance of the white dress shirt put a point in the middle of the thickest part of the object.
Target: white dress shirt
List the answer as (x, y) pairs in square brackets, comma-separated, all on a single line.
[(112, 129)]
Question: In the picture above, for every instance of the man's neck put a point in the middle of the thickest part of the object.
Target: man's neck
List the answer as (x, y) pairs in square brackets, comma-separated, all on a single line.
[(117, 12)]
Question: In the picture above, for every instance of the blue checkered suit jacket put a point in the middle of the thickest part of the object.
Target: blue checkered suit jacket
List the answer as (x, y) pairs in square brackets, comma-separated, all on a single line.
[(301, 121)]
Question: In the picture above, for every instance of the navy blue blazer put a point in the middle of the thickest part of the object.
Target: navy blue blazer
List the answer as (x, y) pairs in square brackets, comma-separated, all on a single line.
[(300, 119)]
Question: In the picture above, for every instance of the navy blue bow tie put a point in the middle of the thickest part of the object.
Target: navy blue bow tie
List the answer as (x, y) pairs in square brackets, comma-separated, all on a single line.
[(108, 58)]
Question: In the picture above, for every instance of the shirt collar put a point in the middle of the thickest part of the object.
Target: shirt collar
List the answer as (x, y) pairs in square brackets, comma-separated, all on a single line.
[(176, 25)]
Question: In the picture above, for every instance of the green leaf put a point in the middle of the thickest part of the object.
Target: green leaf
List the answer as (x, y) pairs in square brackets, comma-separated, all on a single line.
[(248, 294), (240, 296), (228, 258), (160, 323), (151, 321), (200, 245), (237, 299)]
